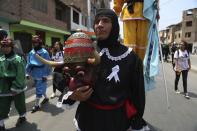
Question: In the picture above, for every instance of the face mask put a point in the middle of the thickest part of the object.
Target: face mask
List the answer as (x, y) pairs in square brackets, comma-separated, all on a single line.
[(78, 75)]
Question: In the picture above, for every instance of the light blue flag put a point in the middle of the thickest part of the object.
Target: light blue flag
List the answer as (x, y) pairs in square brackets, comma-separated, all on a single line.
[(151, 59)]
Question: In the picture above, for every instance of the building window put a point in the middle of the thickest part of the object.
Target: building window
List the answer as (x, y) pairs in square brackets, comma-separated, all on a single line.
[(168, 37), (187, 34), (40, 5), (179, 35), (58, 13), (189, 12), (75, 17), (61, 11), (189, 23)]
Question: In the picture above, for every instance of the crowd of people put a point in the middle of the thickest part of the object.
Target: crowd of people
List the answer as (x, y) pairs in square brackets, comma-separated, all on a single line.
[(116, 100), (181, 64), (119, 95)]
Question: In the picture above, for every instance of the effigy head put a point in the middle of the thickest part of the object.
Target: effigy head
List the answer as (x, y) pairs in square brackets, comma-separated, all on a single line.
[(80, 48), (80, 57), (80, 60)]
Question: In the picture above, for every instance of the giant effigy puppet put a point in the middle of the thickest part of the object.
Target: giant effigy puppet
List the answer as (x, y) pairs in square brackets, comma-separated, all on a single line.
[(135, 25), (140, 20)]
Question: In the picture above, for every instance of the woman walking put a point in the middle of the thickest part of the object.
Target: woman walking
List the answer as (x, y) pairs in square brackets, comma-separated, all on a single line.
[(57, 56), (182, 66)]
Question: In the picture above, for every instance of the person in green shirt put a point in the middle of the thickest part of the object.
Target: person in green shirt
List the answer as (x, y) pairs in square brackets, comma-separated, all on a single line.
[(12, 83)]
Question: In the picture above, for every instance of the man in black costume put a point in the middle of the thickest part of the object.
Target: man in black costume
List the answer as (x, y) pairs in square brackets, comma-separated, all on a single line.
[(117, 101)]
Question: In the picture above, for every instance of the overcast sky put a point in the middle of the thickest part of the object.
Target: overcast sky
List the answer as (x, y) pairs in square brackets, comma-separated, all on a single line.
[(171, 11)]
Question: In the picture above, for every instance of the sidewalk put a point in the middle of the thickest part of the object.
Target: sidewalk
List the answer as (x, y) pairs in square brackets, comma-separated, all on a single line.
[(194, 68)]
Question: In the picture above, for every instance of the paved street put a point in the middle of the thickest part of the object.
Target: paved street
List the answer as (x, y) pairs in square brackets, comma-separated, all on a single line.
[(49, 119), (181, 116)]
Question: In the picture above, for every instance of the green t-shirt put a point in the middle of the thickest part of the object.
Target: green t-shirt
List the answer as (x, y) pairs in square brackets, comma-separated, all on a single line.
[(12, 74)]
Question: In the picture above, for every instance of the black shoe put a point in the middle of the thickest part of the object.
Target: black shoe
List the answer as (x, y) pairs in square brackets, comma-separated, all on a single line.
[(20, 121), (35, 108), (2, 128), (46, 100)]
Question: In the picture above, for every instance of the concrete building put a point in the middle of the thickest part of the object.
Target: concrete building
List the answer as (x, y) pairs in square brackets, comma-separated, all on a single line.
[(185, 30), (189, 27), (163, 35), (170, 34), (178, 33), (94, 5)]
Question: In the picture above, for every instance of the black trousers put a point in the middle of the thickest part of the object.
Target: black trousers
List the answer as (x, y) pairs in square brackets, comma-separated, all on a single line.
[(172, 56), (58, 70), (5, 104), (184, 76)]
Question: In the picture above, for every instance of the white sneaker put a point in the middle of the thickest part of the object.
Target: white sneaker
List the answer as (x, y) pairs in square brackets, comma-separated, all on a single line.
[(52, 95), (177, 91), (187, 96), (146, 128)]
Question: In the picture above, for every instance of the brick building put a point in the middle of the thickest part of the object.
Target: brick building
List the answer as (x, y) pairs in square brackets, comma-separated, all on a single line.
[(53, 20)]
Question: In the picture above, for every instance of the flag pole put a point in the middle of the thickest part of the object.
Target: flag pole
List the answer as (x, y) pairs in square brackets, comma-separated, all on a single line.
[(162, 63), (164, 76)]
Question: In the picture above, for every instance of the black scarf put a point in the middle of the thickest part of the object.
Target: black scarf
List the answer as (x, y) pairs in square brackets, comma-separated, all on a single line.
[(112, 43), (112, 40)]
